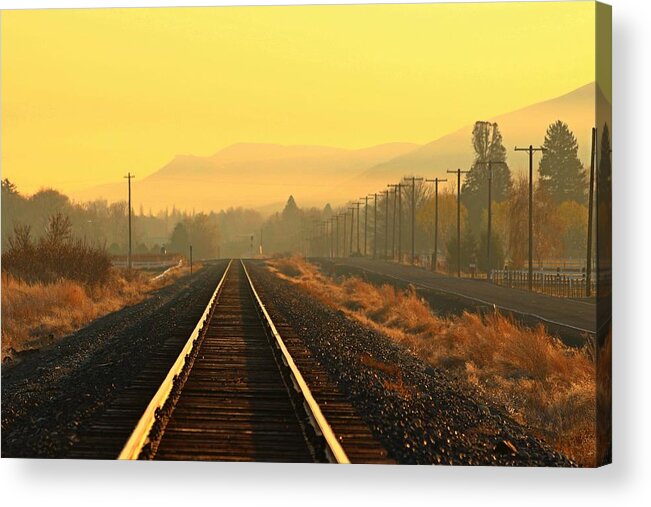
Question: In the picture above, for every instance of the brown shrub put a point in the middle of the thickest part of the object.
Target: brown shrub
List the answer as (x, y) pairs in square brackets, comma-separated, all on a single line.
[(36, 314)]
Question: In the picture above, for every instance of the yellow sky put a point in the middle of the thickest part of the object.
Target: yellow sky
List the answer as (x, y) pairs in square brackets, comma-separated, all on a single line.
[(88, 95)]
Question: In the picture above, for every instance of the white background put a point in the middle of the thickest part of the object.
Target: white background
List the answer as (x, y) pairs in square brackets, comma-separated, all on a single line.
[(626, 482)]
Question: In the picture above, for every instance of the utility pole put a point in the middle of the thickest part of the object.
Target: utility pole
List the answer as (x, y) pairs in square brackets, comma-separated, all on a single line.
[(374, 224), (365, 221), (190, 259), (436, 182), (458, 172), (393, 224), (129, 177), (352, 228), (386, 225), (343, 252), (398, 192), (413, 217), (588, 264), (530, 149), (490, 210), (337, 237), (358, 204), (331, 250), (261, 250)]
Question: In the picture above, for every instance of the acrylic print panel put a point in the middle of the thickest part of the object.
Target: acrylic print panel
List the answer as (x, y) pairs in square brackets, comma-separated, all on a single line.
[(348, 234)]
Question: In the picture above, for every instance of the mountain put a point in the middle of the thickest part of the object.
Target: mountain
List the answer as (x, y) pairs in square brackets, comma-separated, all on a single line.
[(251, 175), (262, 176), (519, 128)]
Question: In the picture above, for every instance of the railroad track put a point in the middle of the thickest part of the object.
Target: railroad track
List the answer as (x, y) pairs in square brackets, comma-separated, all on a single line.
[(238, 391)]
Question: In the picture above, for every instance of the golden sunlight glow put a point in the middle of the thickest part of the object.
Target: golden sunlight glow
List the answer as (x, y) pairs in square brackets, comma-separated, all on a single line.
[(90, 94)]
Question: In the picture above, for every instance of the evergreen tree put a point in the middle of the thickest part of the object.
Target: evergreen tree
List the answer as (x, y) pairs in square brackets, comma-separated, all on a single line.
[(468, 251), (291, 209), (497, 251), (487, 143), (560, 170), (180, 239)]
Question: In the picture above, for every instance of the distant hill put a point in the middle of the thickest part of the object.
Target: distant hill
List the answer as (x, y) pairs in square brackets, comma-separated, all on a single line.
[(522, 127), (263, 175), (247, 174)]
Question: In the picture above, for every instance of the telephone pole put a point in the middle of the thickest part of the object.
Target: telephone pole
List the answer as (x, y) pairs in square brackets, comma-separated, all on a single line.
[(374, 225), (530, 150), (386, 224), (358, 204), (588, 264), (413, 217), (331, 250), (352, 228), (393, 224), (458, 172), (436, 182), (365, 221), (129, 177), (337, 237), (343, 251), (490, 208), (398, 192)]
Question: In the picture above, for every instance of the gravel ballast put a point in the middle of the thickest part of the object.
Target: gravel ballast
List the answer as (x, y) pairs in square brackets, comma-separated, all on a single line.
[(50, 396), (421, 415)]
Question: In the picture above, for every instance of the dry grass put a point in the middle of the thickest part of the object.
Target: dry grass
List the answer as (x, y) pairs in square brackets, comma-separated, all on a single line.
[(35, 315), (542, 383)]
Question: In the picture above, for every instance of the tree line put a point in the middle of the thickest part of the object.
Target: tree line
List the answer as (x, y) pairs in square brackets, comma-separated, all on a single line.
[(559, 206)]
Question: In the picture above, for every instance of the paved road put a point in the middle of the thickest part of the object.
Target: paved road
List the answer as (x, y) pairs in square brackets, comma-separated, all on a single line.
[(579, 315)]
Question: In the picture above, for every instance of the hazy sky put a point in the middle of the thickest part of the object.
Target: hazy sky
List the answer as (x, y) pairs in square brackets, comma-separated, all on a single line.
[(88, 95)]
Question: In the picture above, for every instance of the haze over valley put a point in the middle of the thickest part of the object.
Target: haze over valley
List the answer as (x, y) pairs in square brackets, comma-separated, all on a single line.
[(261, 176)]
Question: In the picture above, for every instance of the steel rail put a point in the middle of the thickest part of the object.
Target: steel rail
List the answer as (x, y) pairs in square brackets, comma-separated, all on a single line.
[(140, 435), (312, 406)]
